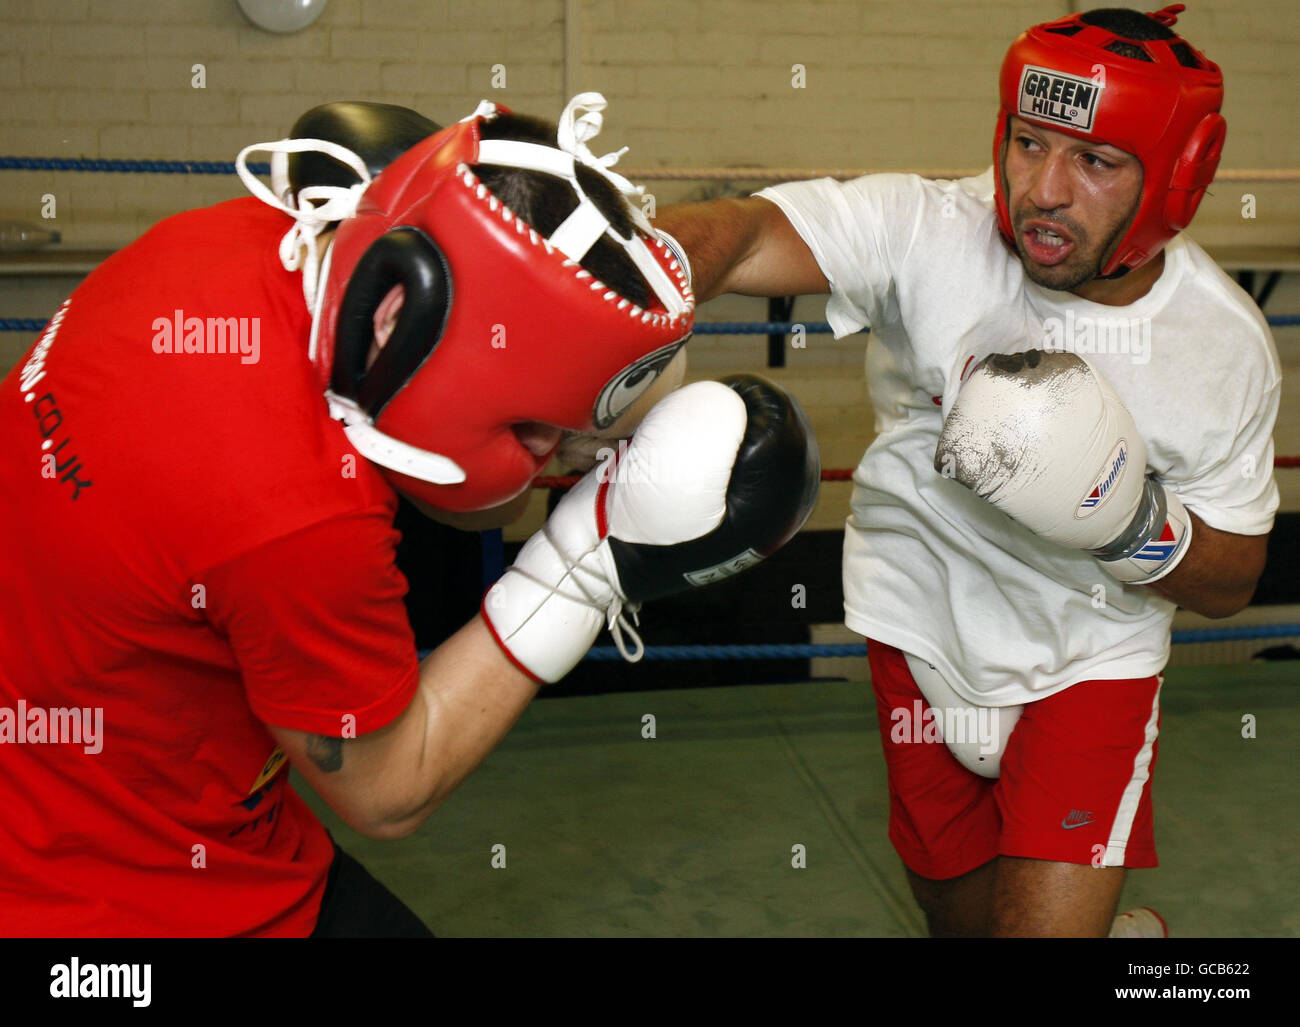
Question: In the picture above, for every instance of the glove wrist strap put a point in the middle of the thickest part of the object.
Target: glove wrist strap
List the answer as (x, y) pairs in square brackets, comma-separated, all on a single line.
[(548, 607), (1155, 541)]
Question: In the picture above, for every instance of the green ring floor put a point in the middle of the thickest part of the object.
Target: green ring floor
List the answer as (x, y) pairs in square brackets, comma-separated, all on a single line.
[(691, 834)]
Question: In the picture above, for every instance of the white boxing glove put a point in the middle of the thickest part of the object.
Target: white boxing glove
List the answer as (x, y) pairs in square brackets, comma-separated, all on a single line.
[(1043, 437), (718, 476)]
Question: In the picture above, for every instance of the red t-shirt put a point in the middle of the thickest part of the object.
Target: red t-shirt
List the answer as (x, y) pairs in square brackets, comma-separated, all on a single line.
[(190, 549)]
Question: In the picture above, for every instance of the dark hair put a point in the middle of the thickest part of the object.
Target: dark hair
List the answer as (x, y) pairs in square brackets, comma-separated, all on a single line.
[(544, 201), (1140, 28)]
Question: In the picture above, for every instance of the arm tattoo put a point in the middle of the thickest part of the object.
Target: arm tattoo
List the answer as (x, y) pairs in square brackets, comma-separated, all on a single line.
[(326, 753)]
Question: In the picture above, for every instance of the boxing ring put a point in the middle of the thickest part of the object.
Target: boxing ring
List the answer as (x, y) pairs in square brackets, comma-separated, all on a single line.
[(601, 841), (777, 328)]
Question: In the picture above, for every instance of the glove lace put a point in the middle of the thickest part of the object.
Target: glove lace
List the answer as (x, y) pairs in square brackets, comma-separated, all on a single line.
[(616, 620), (618, 624)]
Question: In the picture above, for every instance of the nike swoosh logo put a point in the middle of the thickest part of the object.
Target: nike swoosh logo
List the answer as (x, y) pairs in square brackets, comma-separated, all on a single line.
[(1080, 823)]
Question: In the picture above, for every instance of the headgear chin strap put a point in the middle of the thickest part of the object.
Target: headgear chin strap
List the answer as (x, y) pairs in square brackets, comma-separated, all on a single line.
[(1067, 76), (498, 325)]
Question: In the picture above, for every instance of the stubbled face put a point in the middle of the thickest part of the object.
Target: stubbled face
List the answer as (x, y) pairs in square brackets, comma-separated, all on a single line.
[(1071, 201)]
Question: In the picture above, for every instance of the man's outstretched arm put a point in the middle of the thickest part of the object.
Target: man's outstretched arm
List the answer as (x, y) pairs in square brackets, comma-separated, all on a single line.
[(746, 246)]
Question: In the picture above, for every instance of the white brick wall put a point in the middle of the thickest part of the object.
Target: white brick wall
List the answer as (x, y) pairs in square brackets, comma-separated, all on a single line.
[(891, 83)]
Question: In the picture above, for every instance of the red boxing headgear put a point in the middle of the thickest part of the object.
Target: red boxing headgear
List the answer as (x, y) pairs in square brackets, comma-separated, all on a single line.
[(1064, 75), (499, 325)]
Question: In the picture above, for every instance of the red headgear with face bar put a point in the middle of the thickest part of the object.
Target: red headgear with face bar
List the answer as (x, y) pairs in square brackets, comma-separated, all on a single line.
[(1066, 76), (499, 325)]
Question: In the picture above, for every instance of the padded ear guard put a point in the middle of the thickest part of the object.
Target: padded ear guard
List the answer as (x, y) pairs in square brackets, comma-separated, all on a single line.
[(1195, 170), (407, 257)]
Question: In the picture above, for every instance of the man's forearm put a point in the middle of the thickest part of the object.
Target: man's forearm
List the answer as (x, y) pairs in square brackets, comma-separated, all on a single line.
[(1218, 575), (746, 246), (470, 695), (717, 236)]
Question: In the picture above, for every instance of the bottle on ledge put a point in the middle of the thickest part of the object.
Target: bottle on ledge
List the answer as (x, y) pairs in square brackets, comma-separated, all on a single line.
[(19, 235)]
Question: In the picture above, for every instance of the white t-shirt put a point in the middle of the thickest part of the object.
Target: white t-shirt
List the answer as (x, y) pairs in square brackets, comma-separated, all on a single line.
[(930, 567)]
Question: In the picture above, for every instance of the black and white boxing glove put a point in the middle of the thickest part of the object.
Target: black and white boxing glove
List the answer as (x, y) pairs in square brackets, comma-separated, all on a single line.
[(718, 476), (1042, 436), (378, 133)]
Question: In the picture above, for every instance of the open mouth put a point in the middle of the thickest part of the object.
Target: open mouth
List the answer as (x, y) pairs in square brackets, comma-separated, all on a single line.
[(1046, 243), (539, 439)]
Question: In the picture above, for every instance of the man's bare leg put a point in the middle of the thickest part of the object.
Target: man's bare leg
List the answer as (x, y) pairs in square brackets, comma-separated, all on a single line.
[(1038, 898), (1010, 897), (960, 907)]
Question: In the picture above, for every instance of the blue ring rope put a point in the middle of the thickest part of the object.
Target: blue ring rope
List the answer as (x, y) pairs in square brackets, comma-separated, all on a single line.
[(210, 167), (810, 651), (601, 653), (859, 649), (805, 651), (156, 167)]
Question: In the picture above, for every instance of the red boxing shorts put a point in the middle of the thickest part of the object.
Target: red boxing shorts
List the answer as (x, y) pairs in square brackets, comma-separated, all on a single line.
[(1075, 784)]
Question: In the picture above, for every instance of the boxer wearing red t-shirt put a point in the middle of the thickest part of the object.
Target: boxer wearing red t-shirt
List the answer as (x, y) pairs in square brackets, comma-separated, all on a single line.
[(186, 583), (197, 556)]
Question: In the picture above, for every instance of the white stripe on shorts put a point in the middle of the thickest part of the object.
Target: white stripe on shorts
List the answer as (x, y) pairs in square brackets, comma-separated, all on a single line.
[(1128, 803)]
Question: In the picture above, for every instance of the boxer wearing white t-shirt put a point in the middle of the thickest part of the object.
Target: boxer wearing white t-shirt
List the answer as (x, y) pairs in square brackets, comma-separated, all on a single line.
[(975, 592), (1201, 380)]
